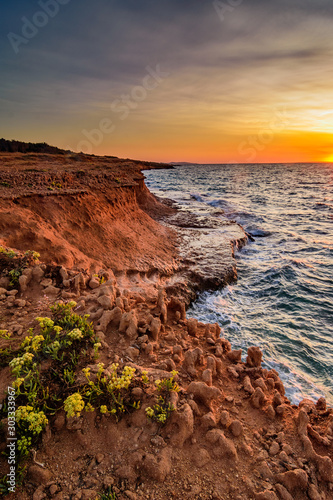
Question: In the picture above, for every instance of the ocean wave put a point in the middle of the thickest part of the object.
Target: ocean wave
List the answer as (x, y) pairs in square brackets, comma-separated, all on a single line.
[(283, 300)]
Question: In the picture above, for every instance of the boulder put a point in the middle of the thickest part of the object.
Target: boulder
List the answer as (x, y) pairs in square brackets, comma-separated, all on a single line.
[(211, 365), (161, 304), (177, 306), (203, 393), (321, 404), (37, 475), (155, 328), (247, 385), (293, 480), (283, 492), (207, 376), (258, 398), (235, 356), (200, 457), (181, 425), (254, 357), (236, 428), (106, 302), (191, 359), (94, 283), (192, 327), (223, 447), (208, 421), (224, 418), (37, 274), (259, 382), (112, 317), (157, 468)]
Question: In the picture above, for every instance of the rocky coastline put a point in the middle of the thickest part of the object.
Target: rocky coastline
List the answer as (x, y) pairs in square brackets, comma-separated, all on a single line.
[(133, 264)]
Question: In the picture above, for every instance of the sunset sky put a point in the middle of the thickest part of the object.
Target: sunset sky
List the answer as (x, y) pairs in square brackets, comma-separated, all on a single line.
[(166, 80)]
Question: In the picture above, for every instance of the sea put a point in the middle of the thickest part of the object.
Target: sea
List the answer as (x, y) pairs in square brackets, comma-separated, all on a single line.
[(283, 298)]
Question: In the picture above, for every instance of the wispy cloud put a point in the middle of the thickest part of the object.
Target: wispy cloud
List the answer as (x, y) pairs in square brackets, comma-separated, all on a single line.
[(225, 77)]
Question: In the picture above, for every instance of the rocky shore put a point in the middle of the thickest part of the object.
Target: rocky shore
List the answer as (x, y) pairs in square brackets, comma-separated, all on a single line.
[(223, 428)]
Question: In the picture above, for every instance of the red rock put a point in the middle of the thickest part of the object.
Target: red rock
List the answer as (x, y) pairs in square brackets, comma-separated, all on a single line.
[(191, 359), (157, 468), (321, 404), (236, 428), (224, 418), (207, 377), (208, 421), (235, 356), (192, 327), (274, 448), (181, 425), (211, 365), (200, 457), (270, 412), (203, 392), (293, 480), (283, 492), (259, 382), (155, 328), (247, 385), (254, 357), (38, 475), (258, 398), (127, 472), (266, 495)]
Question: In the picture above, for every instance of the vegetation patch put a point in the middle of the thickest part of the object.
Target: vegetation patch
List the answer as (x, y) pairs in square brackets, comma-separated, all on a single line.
[(163, 408), (12, 264), (51, 374)]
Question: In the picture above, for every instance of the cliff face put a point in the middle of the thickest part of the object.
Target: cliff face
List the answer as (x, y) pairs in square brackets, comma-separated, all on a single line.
[(84, 214), (93, 213)]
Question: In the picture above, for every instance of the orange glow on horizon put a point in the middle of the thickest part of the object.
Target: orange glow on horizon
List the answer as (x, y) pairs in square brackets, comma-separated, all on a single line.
[(285, 147), (329, 159)]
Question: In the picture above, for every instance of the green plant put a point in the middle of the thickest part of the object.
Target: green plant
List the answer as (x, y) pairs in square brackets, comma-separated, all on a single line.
[(5, 335), (109, 391), (107, 495), (66, 340), (101, 279), (30, 424), (14, 276), (32, 256), (8, 253), (163, 408), (168, 384), (69, 377), (54, 185), (73, 405), (144, 377), (4, 486), (16, 264)]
